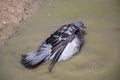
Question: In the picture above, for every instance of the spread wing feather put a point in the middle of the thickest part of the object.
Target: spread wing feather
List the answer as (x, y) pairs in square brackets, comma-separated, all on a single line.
[(57, 50)]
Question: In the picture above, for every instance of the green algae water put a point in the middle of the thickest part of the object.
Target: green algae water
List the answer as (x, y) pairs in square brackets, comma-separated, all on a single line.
[(99, 57)]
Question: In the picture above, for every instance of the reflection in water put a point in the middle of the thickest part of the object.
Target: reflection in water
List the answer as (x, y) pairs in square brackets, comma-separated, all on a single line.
[(98, 59)]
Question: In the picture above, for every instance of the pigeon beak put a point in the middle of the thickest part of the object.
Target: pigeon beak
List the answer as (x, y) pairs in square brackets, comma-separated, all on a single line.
[(23, 55), (84, 27)]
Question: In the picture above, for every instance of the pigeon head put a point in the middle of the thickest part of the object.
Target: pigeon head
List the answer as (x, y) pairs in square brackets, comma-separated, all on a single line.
[(79, 24)]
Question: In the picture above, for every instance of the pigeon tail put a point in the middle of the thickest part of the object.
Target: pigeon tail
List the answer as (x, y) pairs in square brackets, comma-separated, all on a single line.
[(33, 59)]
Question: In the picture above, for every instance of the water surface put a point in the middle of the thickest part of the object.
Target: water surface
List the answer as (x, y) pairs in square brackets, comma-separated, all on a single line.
[(99, 57)]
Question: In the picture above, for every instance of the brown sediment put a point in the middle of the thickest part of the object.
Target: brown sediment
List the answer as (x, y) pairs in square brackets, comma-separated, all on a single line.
[(12, 12)]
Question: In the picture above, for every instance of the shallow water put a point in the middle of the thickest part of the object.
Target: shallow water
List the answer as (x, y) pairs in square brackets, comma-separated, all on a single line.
[(99, 57)]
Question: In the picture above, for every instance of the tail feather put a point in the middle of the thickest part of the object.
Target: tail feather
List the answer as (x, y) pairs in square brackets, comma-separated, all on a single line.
[(33, 59)]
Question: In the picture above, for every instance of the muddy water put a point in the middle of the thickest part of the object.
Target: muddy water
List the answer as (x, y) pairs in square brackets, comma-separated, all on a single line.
[(99, 57)]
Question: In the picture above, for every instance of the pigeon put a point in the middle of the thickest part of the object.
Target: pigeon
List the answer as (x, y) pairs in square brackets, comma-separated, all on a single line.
[(59, 46)]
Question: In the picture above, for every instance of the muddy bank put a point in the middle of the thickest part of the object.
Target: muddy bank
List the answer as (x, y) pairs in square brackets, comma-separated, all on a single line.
[(12, 13)]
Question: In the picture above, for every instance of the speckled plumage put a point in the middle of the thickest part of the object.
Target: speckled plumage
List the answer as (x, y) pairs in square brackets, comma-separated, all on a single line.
[(60, 46)]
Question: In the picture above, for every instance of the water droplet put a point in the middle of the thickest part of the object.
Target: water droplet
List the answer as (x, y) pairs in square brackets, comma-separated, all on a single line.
[(50, 4), (49, 14), (89, 71)]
